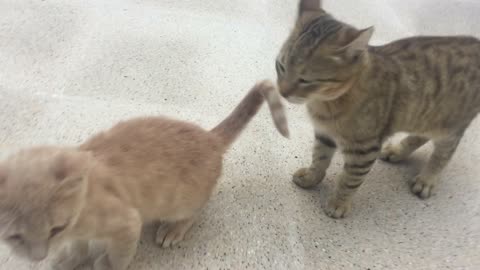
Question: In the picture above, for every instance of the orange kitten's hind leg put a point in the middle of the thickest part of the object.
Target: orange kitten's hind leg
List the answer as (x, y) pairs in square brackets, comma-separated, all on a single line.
[(172, 233)]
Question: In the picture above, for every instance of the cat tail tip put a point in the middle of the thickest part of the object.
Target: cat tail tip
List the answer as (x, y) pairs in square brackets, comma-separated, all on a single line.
[(275, 105), (232, 126)]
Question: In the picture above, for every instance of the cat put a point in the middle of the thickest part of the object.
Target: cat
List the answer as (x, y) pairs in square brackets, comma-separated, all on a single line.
[(358, 96), (141, 170)]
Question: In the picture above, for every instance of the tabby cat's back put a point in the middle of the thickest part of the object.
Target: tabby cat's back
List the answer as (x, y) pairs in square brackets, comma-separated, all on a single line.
[(437, 80)]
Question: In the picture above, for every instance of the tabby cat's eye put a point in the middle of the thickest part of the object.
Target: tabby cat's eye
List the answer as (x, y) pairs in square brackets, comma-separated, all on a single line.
[(280, 68), (56, 230), (307, 82)]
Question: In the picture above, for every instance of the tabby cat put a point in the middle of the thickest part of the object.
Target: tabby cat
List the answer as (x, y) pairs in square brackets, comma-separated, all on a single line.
[(141, 170), (359, 95)]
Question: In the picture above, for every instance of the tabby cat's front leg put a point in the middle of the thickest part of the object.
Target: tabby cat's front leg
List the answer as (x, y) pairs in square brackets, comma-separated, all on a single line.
[(323, 151), (358, 162)]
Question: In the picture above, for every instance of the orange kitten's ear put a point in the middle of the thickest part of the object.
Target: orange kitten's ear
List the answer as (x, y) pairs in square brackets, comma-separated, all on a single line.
[(360, 42), (3, 175), (3, 181), (309, 5), (71, 163), (70, 169)]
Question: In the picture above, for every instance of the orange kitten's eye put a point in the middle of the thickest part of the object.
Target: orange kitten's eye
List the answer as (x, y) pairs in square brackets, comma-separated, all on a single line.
[(15, 238), (57, 230)]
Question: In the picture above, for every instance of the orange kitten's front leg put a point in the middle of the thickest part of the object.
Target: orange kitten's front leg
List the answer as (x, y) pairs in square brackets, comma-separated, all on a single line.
[(358, 162), (171, 233), (71, 256), (122, 245)]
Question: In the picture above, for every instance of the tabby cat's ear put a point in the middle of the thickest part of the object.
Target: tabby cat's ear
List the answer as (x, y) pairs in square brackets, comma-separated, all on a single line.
[(360, 42), (309, 5)]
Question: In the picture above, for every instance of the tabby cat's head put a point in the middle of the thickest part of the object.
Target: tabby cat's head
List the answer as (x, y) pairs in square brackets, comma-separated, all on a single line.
[(322, 56), (41, 193)]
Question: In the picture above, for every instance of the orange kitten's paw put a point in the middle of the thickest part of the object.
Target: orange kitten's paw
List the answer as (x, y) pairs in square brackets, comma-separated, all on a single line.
[(337, 208), (422, 186), (392, 153), (66, 263), (171, 234), (305, 178), (63, 266), (102, 263), (69, 258)]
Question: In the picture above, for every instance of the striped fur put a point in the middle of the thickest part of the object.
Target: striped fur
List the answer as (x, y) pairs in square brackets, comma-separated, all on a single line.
[(359, 95)]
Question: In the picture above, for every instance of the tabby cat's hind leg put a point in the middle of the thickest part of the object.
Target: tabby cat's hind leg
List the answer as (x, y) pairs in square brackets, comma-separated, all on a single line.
[(402, 150), (423, 184)]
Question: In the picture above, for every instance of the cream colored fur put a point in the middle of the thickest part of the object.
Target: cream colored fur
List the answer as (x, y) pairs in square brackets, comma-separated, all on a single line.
[(141, 170)]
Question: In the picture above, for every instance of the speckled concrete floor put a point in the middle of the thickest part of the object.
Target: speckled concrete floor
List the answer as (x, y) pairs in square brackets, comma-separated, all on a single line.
[(71, 68)]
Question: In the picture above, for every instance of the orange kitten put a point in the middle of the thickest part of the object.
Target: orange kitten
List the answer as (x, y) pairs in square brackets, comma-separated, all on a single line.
[(141, 170)]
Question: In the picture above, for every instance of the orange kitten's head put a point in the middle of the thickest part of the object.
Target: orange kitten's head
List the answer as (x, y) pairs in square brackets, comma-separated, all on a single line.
[(321, 57), (41, 193)]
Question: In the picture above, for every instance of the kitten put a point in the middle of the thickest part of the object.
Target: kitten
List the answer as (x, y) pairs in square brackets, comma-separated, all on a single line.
[(139, 171), (358, 96)]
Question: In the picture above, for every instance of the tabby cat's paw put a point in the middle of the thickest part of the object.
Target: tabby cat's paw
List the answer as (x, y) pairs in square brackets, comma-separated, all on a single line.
[(422, 186), (337, 208), (392, 153), (305, 178)]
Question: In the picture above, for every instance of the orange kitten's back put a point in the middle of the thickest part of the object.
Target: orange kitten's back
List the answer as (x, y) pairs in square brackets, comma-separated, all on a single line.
[(172, 163), (158, 157)]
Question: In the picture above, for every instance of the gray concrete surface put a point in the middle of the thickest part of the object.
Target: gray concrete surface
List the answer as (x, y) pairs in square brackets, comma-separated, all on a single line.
[(71, 68)]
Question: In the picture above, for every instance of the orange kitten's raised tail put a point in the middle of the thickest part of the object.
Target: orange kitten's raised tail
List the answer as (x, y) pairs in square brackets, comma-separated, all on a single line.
[(231, 127)]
